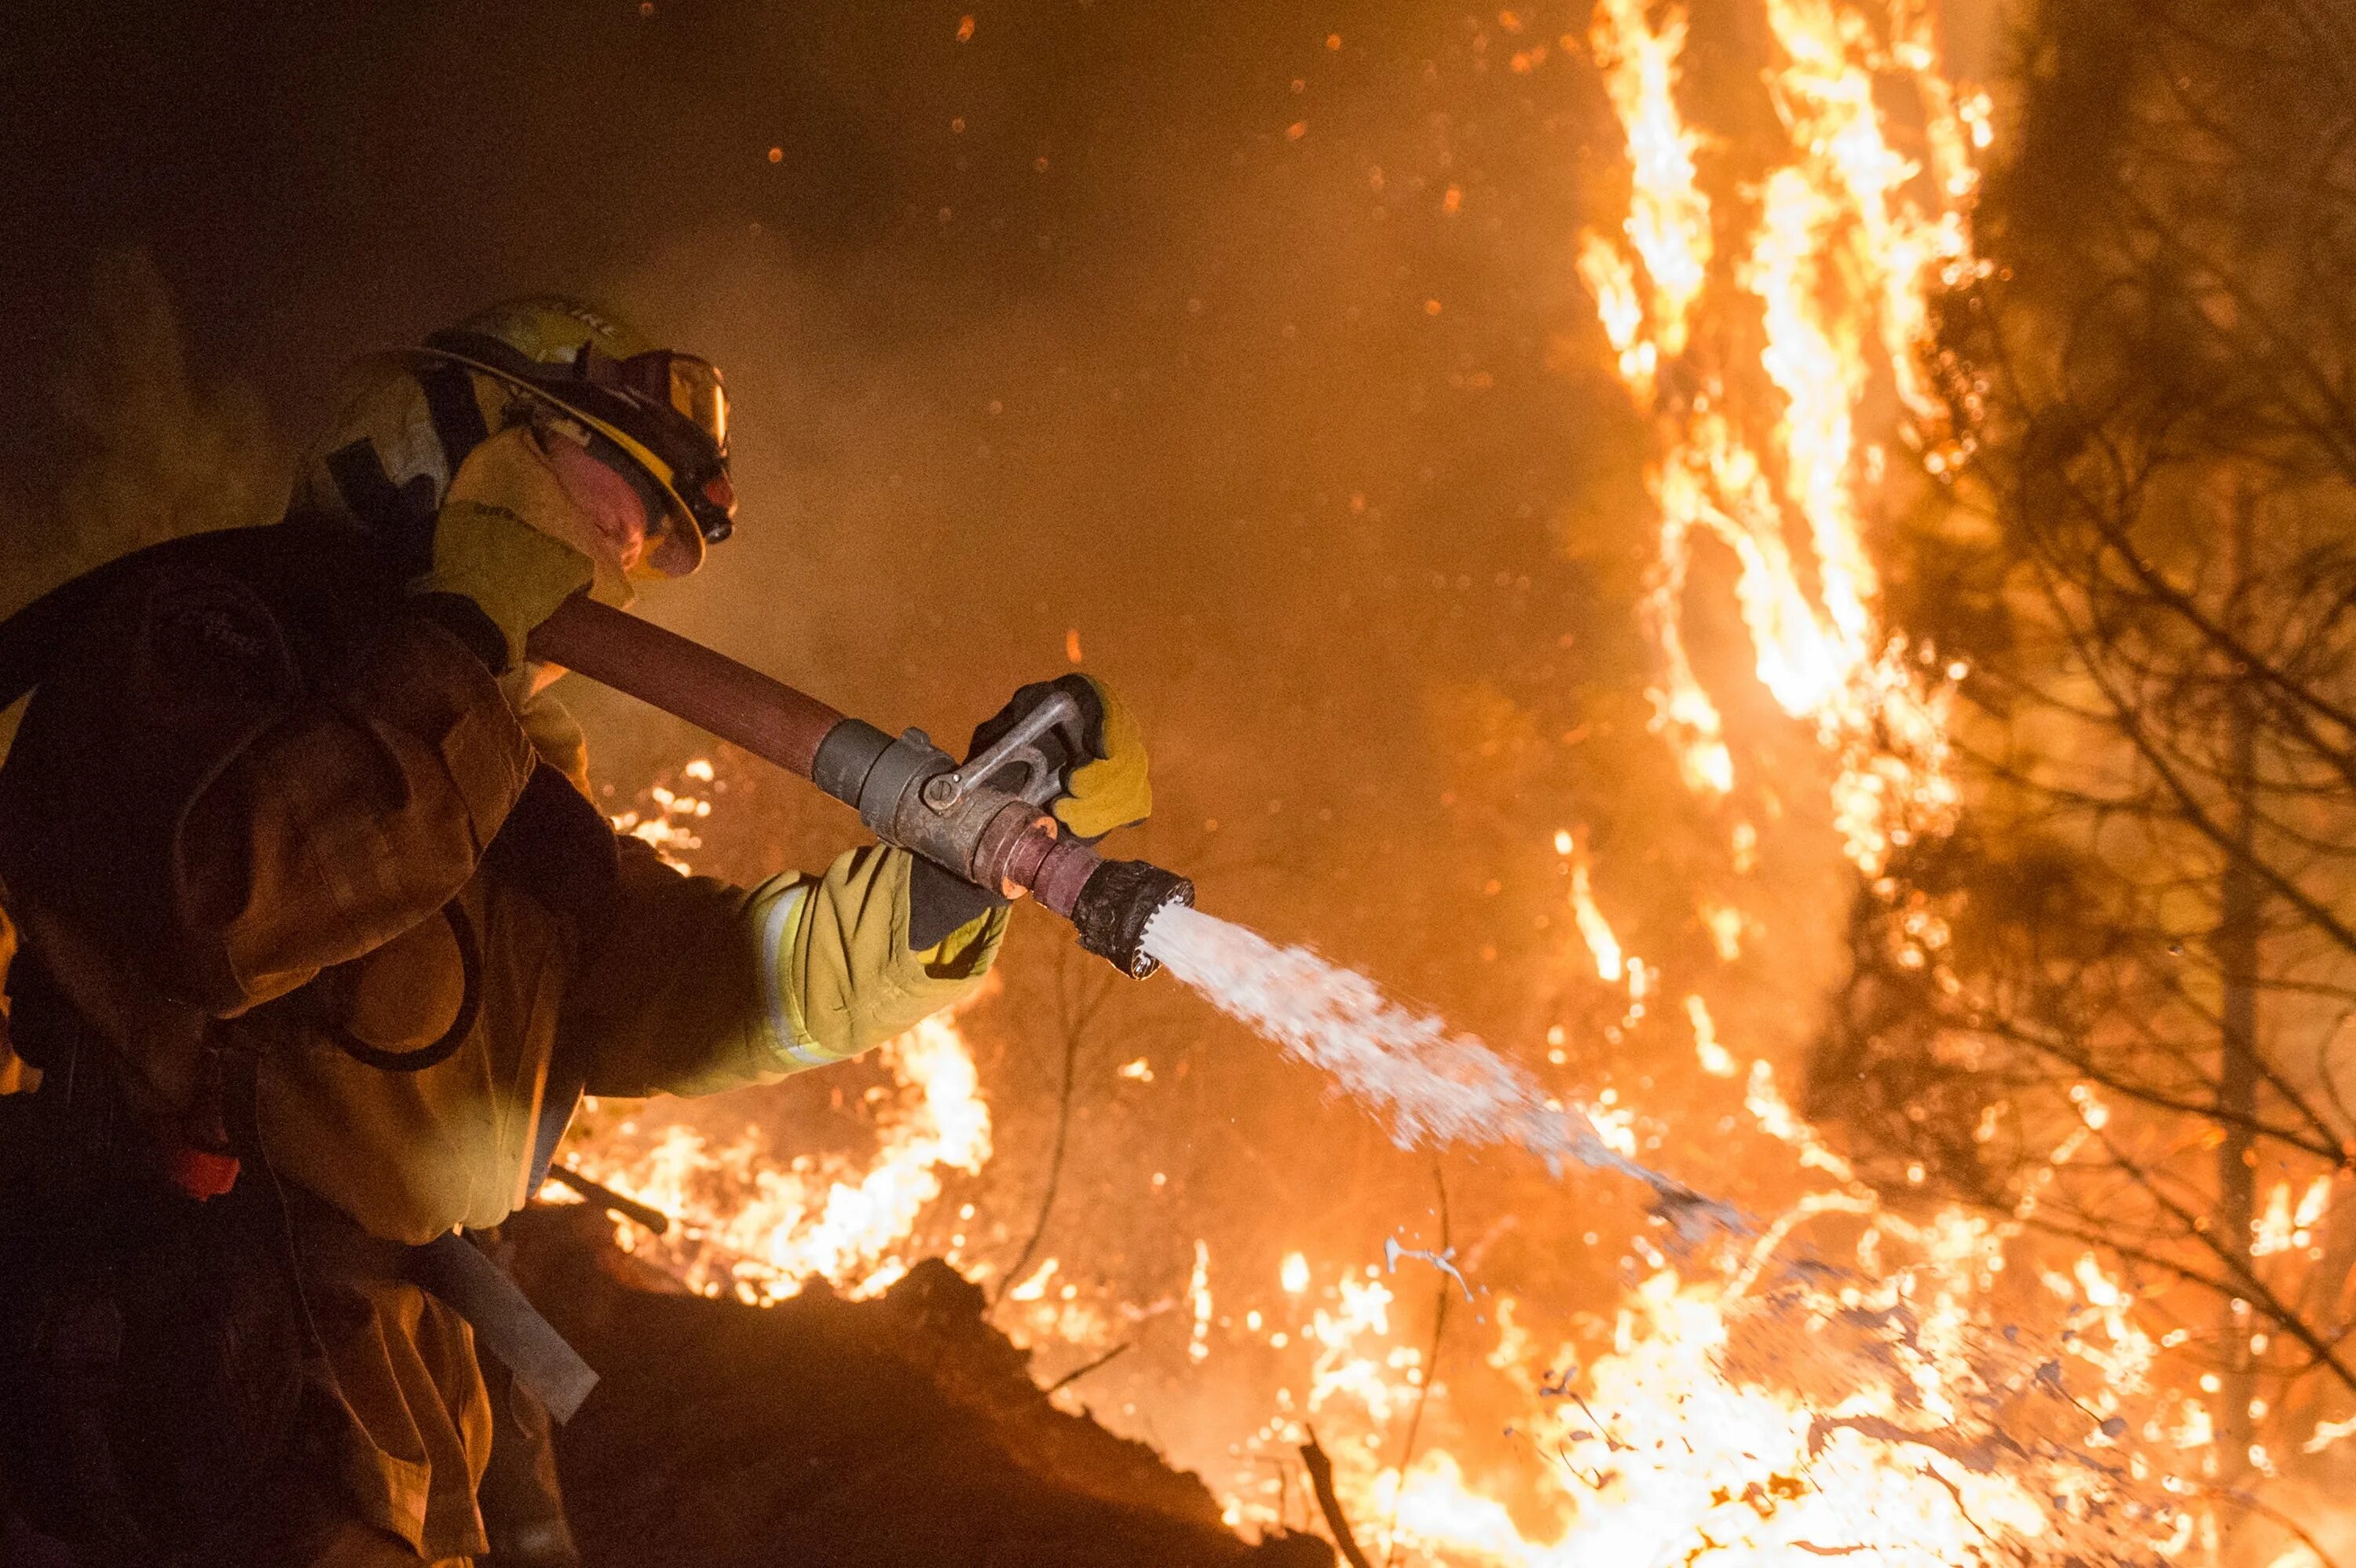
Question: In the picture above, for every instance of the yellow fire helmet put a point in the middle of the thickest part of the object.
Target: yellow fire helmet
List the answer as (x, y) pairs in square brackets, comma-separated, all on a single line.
[(658, 418), (663, 414)]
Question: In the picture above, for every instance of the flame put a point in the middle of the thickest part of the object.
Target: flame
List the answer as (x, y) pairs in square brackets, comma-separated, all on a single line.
[(1668, 218), (1611, 965), (758, 1228), (1850, 238), (1716, 1060), (667, 817), (1725, 924), (1721, 1420), (1035, 1287), (1663, 1454), (1198, 1292), (1666, 1447)]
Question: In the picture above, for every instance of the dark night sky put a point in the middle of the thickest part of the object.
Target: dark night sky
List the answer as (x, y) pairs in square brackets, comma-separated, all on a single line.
[(318, 176), (1123, 354)]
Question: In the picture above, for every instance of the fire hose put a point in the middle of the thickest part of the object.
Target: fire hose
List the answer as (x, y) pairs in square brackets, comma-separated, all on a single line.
[(974, 819)]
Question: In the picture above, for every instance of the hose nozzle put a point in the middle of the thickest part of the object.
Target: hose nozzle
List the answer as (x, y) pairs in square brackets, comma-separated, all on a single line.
[(1109, 902), (908, 790), (1116, 904)]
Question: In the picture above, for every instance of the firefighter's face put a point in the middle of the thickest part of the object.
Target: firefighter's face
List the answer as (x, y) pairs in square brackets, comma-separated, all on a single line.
[(608, 500)]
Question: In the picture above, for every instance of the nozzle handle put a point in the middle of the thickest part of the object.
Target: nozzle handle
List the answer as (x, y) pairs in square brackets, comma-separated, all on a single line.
[(1018, 747)]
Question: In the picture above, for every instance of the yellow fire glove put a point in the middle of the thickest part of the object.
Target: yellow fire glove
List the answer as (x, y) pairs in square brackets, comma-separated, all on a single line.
[(510, 541), (1113, 789), (1102, 766)]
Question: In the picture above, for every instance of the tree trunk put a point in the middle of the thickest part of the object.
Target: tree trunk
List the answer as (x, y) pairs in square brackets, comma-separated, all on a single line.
[(2235, 946)]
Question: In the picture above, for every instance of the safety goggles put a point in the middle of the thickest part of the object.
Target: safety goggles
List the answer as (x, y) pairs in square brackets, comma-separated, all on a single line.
[(683, 408), (685, 384)]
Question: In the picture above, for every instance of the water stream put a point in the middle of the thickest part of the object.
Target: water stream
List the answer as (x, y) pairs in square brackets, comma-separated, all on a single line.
[(1431, 1086)]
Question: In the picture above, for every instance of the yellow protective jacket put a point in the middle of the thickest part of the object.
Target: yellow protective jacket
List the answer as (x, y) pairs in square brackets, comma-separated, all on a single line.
[(251, 806)]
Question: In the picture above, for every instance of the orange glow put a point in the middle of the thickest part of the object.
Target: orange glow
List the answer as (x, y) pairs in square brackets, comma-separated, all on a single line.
[(757, 1227), (1668, 224), (1035, 1287), (1593, 928), (1716, 1060), (1198, 1293), (1711, 1417)]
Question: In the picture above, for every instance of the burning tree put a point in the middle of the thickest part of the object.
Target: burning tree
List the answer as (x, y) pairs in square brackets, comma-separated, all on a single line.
[(2112, 1003)]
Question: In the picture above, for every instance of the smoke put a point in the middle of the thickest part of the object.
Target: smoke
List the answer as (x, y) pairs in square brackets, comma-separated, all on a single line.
[(1061, 336), (1363, 567), (144, 447), (152, 450)]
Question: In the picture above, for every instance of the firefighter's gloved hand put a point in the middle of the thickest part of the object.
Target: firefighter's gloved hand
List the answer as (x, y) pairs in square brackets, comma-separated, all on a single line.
[(506, 542), (1105, 785)]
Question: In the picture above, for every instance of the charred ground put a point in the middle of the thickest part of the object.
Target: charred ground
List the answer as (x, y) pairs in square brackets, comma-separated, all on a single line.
[(898, 1431)]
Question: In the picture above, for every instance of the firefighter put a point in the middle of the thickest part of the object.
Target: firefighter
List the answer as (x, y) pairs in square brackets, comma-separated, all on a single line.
[(322, 941)]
